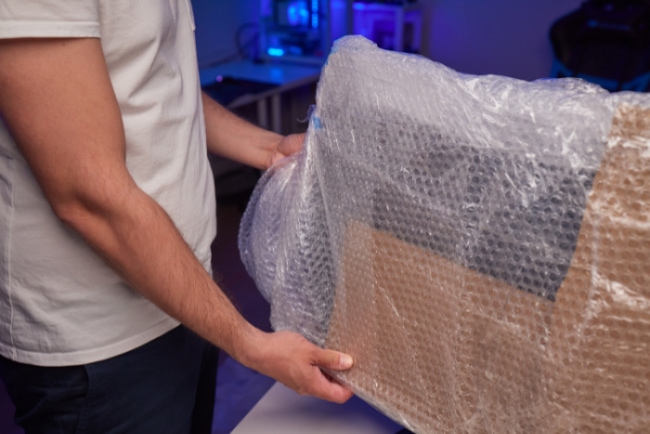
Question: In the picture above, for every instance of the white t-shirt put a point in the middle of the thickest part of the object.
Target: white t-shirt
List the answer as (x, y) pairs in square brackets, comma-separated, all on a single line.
[(59, 302)]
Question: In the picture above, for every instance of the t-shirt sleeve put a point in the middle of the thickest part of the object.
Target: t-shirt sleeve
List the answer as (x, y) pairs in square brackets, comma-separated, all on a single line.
[(49, 18)]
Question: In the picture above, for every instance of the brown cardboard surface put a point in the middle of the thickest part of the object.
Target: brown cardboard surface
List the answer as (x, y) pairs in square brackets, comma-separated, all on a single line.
[(439, 345), (598, 360), (443, 348)]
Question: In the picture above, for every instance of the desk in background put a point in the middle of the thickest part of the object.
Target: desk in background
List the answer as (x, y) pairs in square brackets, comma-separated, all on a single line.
[(281, 95), (244, 82)]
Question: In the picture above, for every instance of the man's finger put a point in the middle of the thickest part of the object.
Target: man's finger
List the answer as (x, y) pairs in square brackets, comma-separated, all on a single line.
[(336, 393), (292, 144), (333, 360), (329, 389)]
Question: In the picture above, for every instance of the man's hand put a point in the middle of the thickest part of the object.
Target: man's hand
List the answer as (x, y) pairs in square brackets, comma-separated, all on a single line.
[(299, 364), (288, 145), (232, 137)]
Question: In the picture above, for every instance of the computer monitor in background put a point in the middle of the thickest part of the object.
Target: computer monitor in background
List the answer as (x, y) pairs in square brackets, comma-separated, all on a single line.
[(301, 31), (294, 14)]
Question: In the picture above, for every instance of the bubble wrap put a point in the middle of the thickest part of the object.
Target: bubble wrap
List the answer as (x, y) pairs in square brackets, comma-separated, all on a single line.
[(480, 245)]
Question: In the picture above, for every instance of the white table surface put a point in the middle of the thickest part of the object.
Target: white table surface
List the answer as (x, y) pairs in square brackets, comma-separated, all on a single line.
[(283, 411)]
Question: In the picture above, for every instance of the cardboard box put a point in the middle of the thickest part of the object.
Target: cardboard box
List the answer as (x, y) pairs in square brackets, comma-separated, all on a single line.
[(442, 347)]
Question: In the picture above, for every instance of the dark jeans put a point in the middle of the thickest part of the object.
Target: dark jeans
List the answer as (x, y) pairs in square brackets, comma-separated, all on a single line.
[(165, 386)]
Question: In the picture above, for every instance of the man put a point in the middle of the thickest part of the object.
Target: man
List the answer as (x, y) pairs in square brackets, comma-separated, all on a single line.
[(106, 219)]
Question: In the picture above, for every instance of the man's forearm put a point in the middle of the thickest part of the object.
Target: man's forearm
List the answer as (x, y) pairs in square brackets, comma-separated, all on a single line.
[(236, 139), (140, 242), (71, 134)]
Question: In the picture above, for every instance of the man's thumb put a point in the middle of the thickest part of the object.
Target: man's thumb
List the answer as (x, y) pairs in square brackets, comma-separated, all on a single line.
[(334, 360)]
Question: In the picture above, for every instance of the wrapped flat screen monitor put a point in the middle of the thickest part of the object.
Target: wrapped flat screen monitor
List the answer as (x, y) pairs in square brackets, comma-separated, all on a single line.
[(478, 244)]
